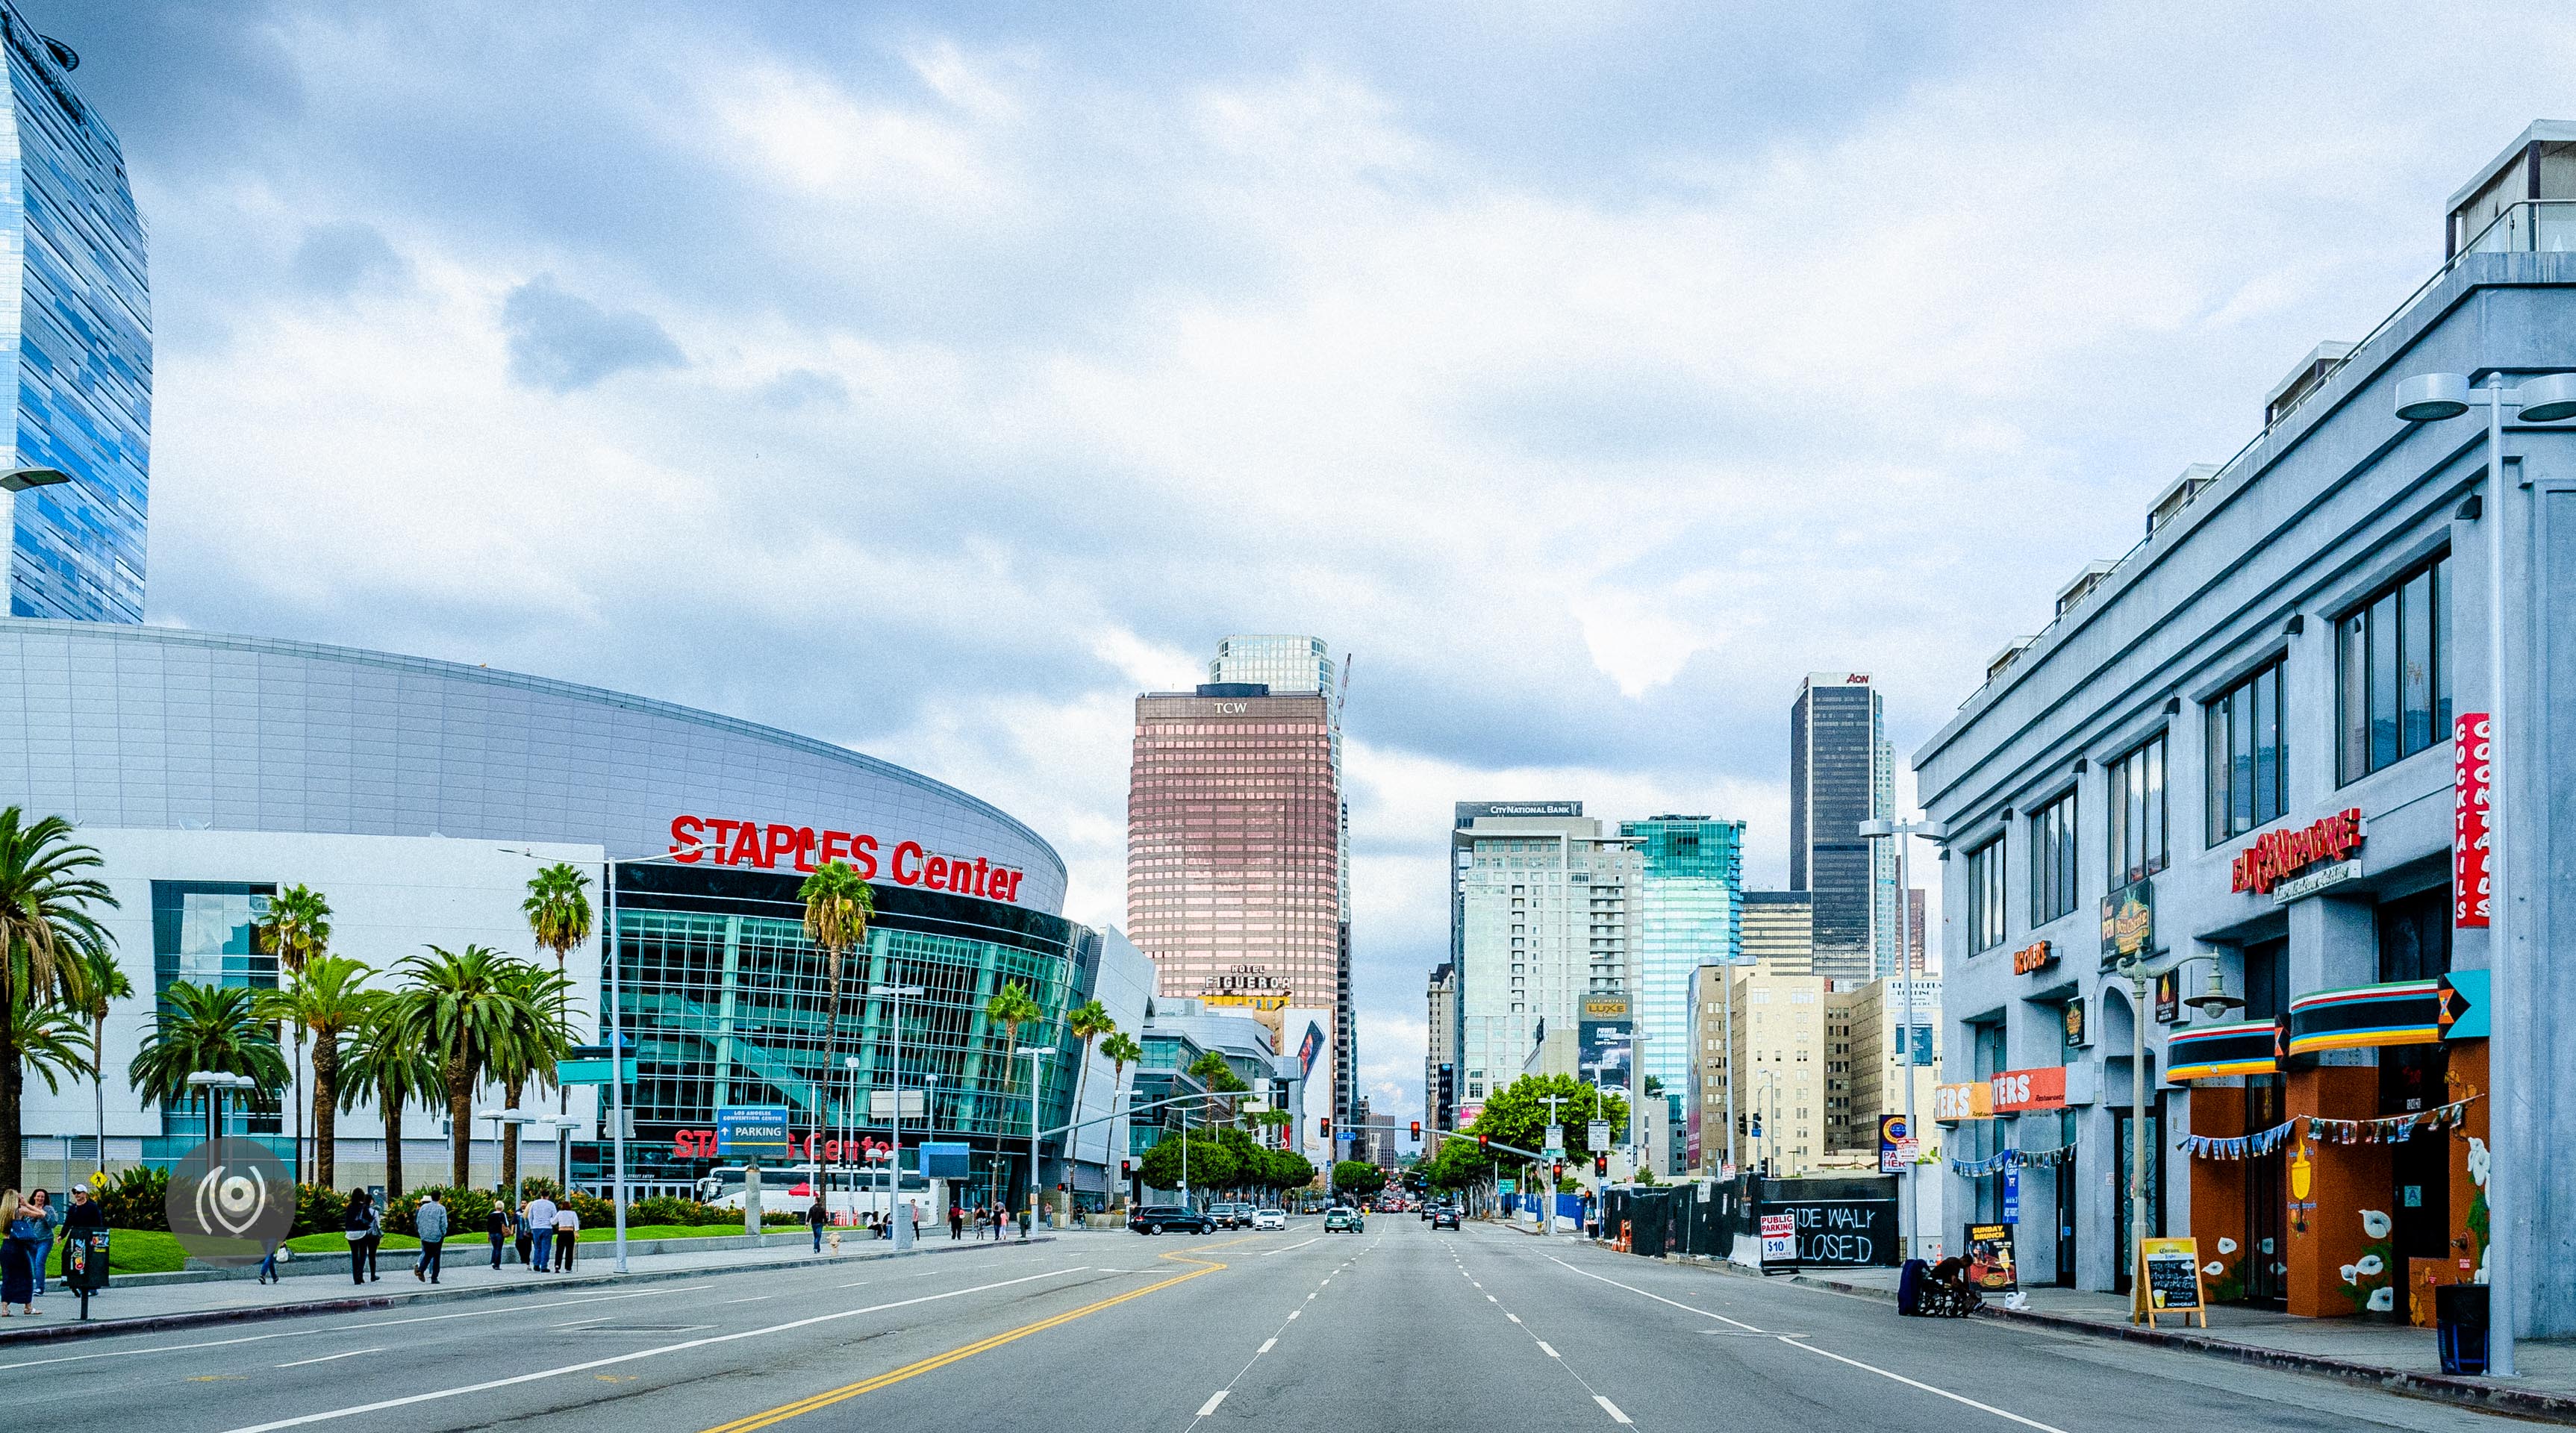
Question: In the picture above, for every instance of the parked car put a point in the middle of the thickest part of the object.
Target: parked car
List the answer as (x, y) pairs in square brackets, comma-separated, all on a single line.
[(1444, 1217), (1341, 1219), (1270, 1219), (1157, 1218)]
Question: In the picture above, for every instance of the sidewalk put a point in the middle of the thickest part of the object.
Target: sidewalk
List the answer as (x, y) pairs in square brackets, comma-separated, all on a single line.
[(2398, 1357), (467, 1274)]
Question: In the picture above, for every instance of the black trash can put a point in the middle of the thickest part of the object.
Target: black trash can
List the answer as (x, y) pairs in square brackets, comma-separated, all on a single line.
[(1909, 1287), (2460, 1323)]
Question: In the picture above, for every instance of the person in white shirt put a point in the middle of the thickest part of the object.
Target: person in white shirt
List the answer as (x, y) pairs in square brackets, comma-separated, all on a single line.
[(541, 1217), (567, 1234)]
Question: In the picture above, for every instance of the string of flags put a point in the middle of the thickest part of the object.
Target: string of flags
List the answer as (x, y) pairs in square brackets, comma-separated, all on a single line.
[(2387, 1129), (2002, 1160)]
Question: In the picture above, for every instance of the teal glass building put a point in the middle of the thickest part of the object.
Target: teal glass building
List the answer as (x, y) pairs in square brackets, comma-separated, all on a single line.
[(76, 338), (1691, 899)]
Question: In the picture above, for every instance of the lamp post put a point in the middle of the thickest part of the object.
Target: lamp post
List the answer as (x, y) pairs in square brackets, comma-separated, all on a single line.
[(1898, 831), (1035, 1054), (18, 480), (902, 1236), (214, 1083), (2427, 398), (498, 1119)]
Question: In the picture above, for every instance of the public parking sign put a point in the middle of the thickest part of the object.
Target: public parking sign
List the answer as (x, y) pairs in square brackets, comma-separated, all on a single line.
[(1779, 1239), (752, 1132)]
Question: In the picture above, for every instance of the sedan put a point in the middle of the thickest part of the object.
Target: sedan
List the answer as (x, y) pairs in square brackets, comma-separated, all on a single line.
[(1270, 1219), (1444, 1218)]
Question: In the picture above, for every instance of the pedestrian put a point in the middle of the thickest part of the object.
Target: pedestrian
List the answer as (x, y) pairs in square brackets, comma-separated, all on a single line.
[(353, 1227), (956, 1223), (1024, 1224), (375, 1235), (541, 1223), (429, 1221), (567, 1234), (87, 1214), (818, 1216), (51, 1220), (17, 1250)]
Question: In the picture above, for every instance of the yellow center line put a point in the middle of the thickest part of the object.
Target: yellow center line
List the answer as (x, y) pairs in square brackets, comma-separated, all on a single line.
[(849, 1391)]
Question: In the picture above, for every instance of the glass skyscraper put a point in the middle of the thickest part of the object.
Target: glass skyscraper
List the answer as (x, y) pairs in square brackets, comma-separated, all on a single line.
[(1691, 900), (76, 330), (1843, 772)]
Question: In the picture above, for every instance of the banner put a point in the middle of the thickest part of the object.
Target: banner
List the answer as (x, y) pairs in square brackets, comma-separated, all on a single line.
[(2472, 783)]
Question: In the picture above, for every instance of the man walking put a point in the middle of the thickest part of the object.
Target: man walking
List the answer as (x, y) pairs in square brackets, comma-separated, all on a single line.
[(956, 1222), (541, 1223), (429, 1221), (567, 1234), (818, 1216)]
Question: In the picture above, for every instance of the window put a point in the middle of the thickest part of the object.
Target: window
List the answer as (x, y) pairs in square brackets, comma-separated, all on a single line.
[(2392, 673), (2248, 755), (2137, 813), (2052, 860), (1986, 896)]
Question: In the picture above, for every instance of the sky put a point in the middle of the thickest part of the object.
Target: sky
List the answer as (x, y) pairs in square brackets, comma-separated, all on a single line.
[(934, 379)]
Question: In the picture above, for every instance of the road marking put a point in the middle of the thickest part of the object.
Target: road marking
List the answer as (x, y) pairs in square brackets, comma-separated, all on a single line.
[(1796, 1341), (1268, 1252), (329, 1415), (1612, 1409), (754, 1299), (346, 1328), (577, 1323), (328, 1357), (826, 1399), (1488, 1298), (1515, 1318), (1292, 1313), (1268, 1344), (1543, 1346), (1213, 1400)]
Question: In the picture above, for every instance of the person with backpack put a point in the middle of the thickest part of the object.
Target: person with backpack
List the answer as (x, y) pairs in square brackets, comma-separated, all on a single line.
[(496, 1227), (353, 1227), (520, 1227), (429, 1221)]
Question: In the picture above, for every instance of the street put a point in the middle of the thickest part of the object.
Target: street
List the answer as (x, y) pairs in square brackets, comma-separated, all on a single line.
[(1399, 1328)]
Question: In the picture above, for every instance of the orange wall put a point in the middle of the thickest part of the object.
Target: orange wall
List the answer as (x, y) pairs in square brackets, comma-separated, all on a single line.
[(2325, 1225), (2218, 1185)]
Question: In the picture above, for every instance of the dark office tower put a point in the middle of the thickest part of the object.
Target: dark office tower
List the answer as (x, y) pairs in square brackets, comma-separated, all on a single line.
[(1842, 772)]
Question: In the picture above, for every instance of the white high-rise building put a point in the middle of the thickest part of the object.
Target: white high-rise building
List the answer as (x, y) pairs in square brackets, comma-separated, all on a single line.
[(1547, 913)]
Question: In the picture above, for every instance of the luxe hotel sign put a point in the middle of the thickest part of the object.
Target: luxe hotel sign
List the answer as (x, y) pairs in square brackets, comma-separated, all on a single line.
[(773, 846)]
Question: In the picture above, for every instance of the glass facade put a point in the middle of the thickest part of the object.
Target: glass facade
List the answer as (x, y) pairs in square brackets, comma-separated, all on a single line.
[(1690, 900), (1841, 773), (2393, 673), (727, 1004), (201, 933), (2249, 756), (80, 342)]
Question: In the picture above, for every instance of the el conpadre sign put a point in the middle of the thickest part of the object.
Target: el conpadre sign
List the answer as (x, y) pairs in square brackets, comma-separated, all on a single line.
[(729, 842)]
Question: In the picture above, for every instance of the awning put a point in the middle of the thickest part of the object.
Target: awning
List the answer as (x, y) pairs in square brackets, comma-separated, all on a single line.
[(2216, 1051), (2404, 1012)]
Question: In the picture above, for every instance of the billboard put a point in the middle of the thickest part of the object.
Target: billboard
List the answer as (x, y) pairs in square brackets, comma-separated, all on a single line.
[(1604, 1042), (752, 1132), (1246, 985)]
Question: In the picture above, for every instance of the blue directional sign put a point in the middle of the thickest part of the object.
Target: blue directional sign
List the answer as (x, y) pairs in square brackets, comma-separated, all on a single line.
[(751, 1132)]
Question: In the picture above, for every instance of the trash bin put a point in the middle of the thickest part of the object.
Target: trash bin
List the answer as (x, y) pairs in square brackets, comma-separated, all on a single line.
[(2460, 1323), (1909, 1287)]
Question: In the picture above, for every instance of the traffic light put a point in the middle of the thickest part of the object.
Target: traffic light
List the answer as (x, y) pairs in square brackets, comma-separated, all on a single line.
[(1556, 1172), (1417, 1131), (1126, 1169), (1757, 1126), (1485, 1142), (1600, 1166), (1325, 1125)]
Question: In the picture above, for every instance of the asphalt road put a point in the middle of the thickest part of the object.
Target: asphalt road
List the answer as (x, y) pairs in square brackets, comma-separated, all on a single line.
[(1398, 1328)]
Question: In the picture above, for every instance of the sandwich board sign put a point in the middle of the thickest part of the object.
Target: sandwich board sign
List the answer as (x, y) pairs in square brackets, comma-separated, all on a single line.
[(2172, 1279)]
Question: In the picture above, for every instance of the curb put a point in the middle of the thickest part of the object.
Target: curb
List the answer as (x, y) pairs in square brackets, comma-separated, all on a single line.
[(2433, 1387), (200, 1318)]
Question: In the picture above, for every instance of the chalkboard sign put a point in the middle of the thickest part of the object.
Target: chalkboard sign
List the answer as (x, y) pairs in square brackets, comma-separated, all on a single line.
[(1836, 1233), (2173, 1278)]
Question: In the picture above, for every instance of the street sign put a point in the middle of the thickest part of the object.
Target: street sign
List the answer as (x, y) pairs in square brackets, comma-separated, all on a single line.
[(1554, 1144), (1779, 1239), (881, 1104), (1506, 1186), (752, 1132), (944, 1160), (2011, 1179), (1597, 1134)]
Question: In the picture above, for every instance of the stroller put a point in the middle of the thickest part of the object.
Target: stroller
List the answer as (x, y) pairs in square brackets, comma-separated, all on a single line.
[(1937, 1291)]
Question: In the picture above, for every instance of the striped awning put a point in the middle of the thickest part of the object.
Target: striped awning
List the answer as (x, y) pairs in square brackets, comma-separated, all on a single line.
[(2403, 1012), (2214, 1051)]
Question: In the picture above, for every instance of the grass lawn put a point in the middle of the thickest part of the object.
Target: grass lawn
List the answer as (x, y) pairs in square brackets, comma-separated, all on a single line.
[(138, 1251), (332, 1243)]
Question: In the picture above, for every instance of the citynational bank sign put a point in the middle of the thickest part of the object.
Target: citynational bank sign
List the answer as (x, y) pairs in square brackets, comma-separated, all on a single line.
[(780, 846)]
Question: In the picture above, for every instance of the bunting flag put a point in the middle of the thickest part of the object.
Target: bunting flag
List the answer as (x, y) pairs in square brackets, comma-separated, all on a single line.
[(2002, 1160), (2388, 1129)]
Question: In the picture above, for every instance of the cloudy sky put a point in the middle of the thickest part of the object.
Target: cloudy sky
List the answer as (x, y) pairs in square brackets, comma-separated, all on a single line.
[(935, 378)]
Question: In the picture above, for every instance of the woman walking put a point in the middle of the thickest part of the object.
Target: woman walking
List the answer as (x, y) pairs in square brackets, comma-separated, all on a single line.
[(375, 1235), (49, 1220), (496, 1226), (17, 1250), (526, 1235), (353, 1227)]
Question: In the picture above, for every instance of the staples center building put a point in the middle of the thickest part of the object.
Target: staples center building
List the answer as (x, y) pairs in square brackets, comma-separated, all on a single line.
[(419, 797)]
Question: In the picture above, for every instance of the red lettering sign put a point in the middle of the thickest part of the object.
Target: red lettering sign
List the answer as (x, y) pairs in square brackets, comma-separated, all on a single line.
[(2276, 856), (775, 845), (2035, 956), (2472, 785), (2040, 1089)]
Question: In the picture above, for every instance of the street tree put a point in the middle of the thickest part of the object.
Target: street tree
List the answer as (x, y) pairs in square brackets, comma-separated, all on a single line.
[(387, 1060), (103, 984), (215, 1028), (1360, 1180), (50, 939), (326, 998), (838, 906), (1086, 1023), (296, 929), (1011, 1007), (464, 1010)]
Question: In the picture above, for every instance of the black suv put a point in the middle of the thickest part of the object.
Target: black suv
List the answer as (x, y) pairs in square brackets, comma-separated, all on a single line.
[(1155, 1218), (1444, 1217)]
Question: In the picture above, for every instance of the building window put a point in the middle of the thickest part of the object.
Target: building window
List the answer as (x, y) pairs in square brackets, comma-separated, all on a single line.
[(2137, 813), (1986, 896), (2248, 755), (2392, 672), (2052, 860)]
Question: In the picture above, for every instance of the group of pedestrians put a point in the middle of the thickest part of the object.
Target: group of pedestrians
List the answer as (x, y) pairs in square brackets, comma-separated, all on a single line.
[(30, 1225), (989, 1223), (543, 1232)]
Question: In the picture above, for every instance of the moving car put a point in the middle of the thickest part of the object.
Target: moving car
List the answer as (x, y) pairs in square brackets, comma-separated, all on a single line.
[(1237, 1216), (1343, 1220), (1270, 1219), (1444, 1217), (1157, 1218)]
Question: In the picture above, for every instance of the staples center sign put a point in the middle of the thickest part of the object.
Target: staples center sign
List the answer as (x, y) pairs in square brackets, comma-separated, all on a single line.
[(2279, 855), (775, 845)]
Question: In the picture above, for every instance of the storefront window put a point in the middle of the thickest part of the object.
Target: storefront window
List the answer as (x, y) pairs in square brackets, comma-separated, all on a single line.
[(2392, 673), (2052, 860), (2248, 756), (2137, 813), (1986, 896)]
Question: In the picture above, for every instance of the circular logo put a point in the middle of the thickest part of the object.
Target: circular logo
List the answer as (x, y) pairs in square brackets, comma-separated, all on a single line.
[(230, 1202)]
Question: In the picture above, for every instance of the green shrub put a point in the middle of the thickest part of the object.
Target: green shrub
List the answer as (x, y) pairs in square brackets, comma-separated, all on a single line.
[(318, 1208), (467, 1210), (137, 1200)]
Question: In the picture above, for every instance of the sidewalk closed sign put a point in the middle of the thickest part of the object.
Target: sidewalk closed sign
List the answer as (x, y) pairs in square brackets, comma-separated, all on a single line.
[(1779, 1239), (751, 1132)]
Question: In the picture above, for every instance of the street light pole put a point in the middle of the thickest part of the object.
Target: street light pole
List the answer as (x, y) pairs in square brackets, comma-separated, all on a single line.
[(1035, 1054), (1901, 832), (902, 1236)]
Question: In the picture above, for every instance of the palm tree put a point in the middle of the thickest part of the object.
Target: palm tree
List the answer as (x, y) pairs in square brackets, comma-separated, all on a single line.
[(1085, 1022), (296, 929), (326, 999), (216, 1028), (1011, 1008), (558, 912), (1123, 1051), (49, 940), (387, 1060), (536, 1040), (103, 985), (463, 1012), (52, 1042), (838, 906)]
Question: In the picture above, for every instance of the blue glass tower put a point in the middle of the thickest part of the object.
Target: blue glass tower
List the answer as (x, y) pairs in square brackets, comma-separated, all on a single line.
[(76, 334), (1692, 898)]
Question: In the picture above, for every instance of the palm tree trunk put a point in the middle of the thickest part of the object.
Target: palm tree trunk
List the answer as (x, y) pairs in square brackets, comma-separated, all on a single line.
[(12, 1081), (1073, 1118), (460, 1121), (326, 1109), (510, 1142), (393, 1108), (98, 1086), (831, 1050), (299, 1107)]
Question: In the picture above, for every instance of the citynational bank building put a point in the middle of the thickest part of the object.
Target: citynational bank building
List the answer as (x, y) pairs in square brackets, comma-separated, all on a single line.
[(418, 797), (2242, 804)]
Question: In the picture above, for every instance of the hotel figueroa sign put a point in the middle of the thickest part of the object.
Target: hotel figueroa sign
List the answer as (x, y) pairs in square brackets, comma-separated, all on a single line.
[(777, 845)]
